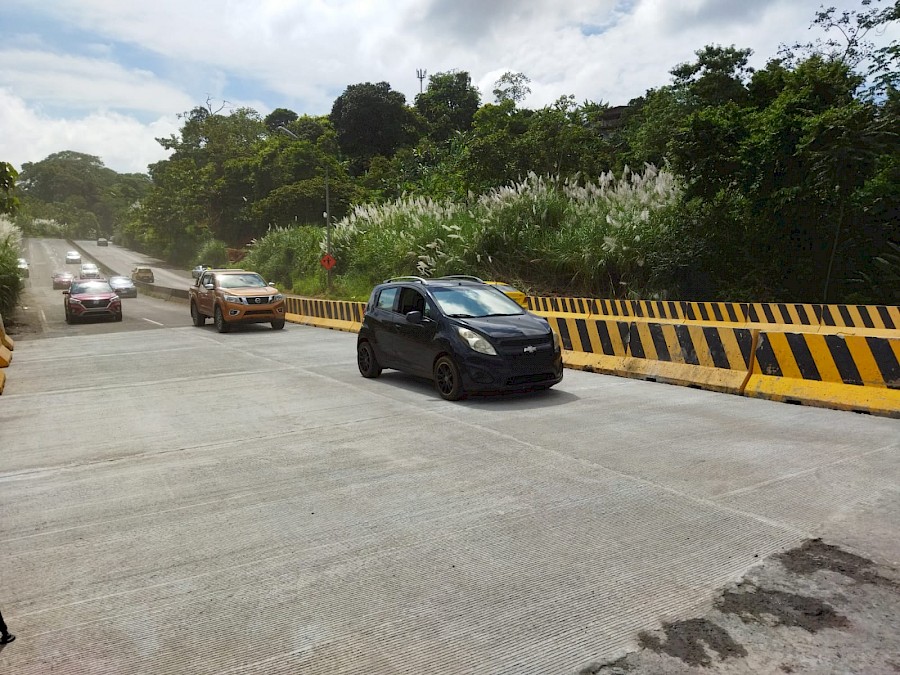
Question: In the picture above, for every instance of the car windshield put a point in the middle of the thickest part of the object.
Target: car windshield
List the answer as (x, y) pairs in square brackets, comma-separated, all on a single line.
[(120, 281), (89, 266), (90, 287), (248, 280), (474, 301)]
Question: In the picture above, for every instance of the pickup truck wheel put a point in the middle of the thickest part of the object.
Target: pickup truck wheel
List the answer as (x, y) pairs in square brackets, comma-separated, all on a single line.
[(219, 319), (278, 324), (118, 316), (196, 316)]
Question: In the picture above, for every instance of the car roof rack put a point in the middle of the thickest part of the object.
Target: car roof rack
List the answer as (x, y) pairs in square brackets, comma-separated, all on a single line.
[(406, 278), (462, 277)]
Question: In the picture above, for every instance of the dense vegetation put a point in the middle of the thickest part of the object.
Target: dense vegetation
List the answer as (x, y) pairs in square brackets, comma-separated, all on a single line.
[(10, 241), (780, 184)]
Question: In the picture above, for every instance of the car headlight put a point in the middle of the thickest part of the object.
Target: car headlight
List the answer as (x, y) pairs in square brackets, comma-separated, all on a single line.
[(476, 341), (74, 301), (557, 341), (278, 297), (235, 298)]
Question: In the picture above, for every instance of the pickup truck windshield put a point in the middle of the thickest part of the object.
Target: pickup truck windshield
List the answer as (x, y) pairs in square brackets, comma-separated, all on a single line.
[(241, 281)]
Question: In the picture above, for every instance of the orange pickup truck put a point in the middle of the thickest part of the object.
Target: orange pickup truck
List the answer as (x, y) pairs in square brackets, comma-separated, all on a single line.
[(231, 297)]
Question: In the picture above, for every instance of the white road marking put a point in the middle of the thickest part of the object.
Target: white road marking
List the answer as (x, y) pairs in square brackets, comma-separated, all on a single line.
[(152, 321)]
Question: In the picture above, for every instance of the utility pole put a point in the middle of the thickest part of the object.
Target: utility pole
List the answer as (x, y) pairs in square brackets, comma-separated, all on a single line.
[(421, 73)]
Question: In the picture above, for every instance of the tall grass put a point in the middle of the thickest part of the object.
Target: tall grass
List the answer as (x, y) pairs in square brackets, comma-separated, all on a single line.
[(570, 236), (287, 255), (10, 252)]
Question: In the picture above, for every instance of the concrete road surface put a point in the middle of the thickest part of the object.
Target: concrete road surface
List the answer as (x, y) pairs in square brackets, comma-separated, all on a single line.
[(173, 500)]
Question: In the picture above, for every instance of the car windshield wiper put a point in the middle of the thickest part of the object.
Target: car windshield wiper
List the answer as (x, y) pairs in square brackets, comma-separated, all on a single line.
[(503, 314), (461, 316)]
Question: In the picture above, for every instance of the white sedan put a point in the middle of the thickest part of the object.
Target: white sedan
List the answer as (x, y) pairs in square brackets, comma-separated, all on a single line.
[(73, 257)]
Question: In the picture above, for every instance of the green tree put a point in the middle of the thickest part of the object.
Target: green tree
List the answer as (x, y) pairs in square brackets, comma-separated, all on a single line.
[(371, 119), (278, 118), (718, 76), (9, 202), (511, 87), (448, 105)]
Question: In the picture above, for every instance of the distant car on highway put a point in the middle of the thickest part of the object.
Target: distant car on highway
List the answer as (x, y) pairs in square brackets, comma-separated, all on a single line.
[(102, 241), (73, 257), (23, 268), (91, 298), (90, 271), (511, 291), (198, 270), (143, 274), (62, 280), (123, 286)]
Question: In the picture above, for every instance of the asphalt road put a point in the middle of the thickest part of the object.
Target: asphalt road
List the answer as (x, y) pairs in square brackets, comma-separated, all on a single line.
[(178, 501), (44, 305)]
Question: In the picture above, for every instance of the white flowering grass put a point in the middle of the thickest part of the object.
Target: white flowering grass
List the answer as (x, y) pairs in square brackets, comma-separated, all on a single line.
[(595, 235)]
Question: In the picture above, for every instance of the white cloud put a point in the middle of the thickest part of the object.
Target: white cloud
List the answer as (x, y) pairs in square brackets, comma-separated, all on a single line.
[(86, 83), (302, 54), (122, 143)]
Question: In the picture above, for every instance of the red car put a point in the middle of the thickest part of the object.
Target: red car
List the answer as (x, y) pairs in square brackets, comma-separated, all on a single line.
[(62, 280), (91, 297)]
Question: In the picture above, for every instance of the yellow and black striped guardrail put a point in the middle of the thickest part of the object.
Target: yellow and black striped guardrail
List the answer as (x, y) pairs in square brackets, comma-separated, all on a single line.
[(336, 314), (874, 317), (850, 372), (7, 345)]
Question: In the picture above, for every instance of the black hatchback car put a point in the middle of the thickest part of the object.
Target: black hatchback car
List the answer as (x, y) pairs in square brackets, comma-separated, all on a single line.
[(464, 334)]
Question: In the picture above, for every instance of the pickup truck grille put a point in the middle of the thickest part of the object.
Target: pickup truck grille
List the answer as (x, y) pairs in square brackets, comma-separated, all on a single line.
[(260, 300)]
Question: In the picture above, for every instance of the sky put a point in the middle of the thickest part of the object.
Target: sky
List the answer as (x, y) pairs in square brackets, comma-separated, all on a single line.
[(108, 77)]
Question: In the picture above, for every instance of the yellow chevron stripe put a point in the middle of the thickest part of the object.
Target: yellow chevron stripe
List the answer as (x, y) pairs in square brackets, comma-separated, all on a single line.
[(828, 370), (784, 355), (862, 355), (672, 343), (732, 349), (701, 347)]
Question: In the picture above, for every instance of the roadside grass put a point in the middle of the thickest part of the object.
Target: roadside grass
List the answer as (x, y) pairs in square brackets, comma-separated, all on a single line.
[(542, 233)]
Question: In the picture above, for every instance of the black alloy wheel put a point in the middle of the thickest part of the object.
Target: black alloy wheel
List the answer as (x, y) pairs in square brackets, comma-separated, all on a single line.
[(366, 360), (446, 379)]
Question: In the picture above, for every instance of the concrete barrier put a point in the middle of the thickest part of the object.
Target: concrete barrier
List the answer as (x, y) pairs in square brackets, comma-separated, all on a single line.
[(596, 345), (852, 372), (708, 357), (5, 340), (860, 319), (335, 314)]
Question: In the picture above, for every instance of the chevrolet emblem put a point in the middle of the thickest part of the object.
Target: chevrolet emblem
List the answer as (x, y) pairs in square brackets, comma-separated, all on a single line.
[(530, 349)]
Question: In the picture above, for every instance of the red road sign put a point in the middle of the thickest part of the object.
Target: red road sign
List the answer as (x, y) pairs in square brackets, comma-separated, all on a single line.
[(328, 261)]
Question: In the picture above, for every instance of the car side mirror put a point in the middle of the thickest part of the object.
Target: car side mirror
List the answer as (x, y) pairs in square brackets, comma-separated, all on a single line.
[(66, 292), (272, 284), (209, 287), (414, 316)]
